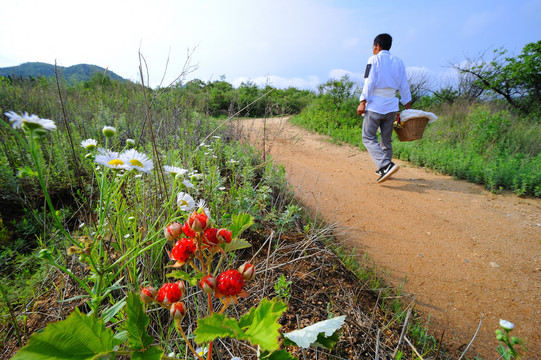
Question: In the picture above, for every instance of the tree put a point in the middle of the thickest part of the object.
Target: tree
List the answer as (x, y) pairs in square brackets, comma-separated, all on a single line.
[(516, 79), (337, 90)]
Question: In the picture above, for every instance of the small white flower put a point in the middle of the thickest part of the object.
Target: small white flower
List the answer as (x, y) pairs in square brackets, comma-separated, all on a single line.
[(110, 159), (236, 358), (188, 184), (137, 160), (130, 143), (232, 161), (126, 236), (201, 204), (30, 122), (89, 144), (82, 224), (185, 202), (221, 188), (217, 137), (506, 325), (174, 171), (201, 351), (202, 144)]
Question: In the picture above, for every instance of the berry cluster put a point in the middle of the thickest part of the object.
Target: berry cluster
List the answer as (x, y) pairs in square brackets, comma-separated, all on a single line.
[(196, 242)]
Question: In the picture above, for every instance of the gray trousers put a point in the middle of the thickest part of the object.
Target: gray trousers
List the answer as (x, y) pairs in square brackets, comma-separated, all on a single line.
[(381, 152)]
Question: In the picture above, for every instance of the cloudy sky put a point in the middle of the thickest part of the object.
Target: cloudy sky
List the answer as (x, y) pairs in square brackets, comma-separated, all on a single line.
[(299, 43)]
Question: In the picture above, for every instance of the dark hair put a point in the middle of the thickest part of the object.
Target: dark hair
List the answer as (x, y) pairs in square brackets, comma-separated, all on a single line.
[(384, 40)]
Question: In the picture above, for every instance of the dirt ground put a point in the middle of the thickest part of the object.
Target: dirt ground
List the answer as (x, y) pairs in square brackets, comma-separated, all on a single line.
[(468, 256)]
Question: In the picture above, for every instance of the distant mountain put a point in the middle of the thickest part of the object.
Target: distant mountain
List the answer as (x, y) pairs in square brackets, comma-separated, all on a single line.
[(72, 74)]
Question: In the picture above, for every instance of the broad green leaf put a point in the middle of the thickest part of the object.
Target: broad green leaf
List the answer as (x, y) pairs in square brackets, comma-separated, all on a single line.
[(327, 342), (217, 326), (79, 337), (109, 313), (182, 275), (239, 223), (309, 335), (260, 326), (236, 244), (153, 353), (277, 355), (136, 323)]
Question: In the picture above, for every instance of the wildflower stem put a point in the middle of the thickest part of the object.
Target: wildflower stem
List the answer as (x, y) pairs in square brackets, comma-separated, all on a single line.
[(179, 329)]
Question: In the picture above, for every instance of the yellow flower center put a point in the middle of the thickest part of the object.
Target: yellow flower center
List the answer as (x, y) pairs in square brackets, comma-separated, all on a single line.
[(183, 202), (116, 162), (136, 162)]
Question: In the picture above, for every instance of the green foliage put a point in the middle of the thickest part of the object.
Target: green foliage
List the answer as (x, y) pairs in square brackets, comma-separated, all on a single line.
[(259, 326), (136, 323), (77, 337), (282, 288)]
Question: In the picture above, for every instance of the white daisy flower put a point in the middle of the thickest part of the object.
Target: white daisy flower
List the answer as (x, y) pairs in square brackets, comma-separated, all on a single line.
[(89, 144), (232, 161), (110, 159), (217, 137), (201, 204), (137, 160), (174, 171), (506, 325), (30, 122), (196, 176), (185, 202), (221, 188), (188, 184)]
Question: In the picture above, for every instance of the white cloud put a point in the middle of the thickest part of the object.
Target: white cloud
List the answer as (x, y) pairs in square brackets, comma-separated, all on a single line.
[(278, 82), (338, 73)]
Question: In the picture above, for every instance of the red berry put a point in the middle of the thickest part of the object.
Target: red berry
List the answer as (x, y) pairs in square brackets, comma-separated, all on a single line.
[(183, 249), (178, 310), (210, 237), (171, 292), (148, 294), (247, 271), (172, 231), (187, 230), (208, 284), (198, 222), (230, 283), (224, 235)]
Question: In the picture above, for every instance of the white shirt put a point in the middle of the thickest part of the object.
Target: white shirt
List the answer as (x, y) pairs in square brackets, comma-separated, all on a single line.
[(386, 74)]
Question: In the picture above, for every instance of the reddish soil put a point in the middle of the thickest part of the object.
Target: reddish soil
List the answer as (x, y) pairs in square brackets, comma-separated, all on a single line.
[(467, 254)]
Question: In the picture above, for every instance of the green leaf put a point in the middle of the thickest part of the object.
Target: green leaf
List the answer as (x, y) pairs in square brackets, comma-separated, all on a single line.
[(182, 275), (277, 355), (136, 323), (153, 353), (79, 337), (239, 223), (236, 244), (311, 334), (260, 326)]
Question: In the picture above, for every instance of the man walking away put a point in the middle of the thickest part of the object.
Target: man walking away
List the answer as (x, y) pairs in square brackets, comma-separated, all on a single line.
[(384, 75)]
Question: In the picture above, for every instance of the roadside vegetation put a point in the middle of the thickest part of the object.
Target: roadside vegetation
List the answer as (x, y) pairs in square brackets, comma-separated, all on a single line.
[(139, 218), (91, 205), (488, 126)]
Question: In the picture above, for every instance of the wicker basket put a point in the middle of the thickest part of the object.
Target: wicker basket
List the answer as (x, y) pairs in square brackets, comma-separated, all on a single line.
[(411, 129)]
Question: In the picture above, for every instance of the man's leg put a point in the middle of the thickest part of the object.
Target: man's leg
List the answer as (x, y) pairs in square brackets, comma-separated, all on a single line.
[(371, 123), (386, 126)]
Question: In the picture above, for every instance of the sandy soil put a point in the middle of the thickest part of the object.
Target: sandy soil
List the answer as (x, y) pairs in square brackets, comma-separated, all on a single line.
[(468, 255)]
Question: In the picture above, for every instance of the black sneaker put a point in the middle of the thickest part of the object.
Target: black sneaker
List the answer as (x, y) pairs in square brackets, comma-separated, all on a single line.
[(378, 172), (387, 171)]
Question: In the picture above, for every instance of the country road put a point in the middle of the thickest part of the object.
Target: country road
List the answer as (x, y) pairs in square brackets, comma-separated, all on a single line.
[(467, 254)]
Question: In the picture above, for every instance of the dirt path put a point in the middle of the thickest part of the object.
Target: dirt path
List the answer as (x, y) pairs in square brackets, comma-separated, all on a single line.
[(465, 251)]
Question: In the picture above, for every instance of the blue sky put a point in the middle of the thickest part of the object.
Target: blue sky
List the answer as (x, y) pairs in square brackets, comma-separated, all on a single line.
[(297, 43)]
